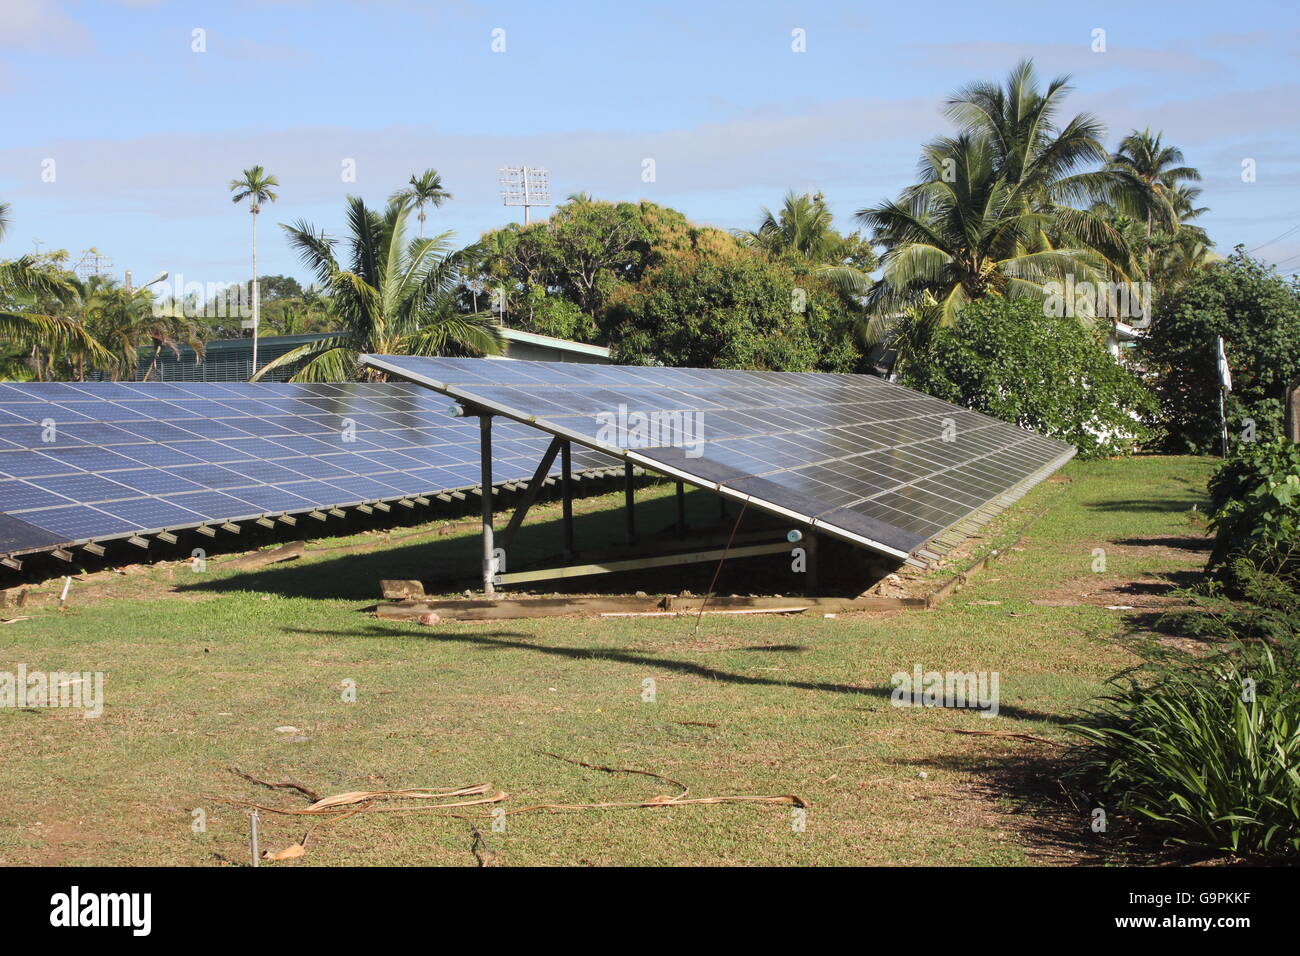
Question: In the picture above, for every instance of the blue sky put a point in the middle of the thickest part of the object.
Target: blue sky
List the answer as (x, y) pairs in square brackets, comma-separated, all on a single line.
[(145, 133)]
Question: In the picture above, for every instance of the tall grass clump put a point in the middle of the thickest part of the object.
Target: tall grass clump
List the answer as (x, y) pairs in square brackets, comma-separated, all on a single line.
[(1205, 750)]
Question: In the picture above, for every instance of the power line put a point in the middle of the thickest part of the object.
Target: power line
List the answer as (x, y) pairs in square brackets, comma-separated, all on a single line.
[(1276, 238)]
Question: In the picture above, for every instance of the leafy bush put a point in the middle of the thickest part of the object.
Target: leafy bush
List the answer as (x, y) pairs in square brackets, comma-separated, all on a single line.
[(1006, 358), (1206, 762), (743, 311), (1255, 506), (1258, 314)]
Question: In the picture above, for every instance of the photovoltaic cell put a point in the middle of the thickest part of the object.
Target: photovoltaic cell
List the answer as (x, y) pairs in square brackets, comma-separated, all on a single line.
[(853, 455), (128, 458)]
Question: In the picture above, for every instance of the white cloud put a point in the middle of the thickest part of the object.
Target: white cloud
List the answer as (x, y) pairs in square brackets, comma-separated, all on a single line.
[(40, 25)]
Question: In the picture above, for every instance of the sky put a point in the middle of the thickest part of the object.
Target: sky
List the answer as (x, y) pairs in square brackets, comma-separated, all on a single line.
[(125, 120)]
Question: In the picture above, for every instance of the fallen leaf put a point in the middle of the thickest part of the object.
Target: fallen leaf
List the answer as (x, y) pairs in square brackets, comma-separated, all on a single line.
[(291, 852)]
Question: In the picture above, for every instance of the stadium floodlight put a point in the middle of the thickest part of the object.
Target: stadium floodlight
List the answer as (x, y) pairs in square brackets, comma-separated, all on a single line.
[(526, 186)]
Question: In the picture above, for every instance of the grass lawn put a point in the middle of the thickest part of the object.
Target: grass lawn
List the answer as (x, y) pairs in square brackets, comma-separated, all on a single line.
[(202, 668)]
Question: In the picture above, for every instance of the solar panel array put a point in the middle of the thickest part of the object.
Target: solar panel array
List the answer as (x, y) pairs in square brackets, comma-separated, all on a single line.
[(82, 462), (859, 457)]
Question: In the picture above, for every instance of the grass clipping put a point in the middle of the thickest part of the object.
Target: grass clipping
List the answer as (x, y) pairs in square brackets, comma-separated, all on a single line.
[(441, 799)]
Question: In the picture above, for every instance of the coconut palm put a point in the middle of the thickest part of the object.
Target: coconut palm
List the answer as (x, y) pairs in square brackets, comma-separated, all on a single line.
[(998, 209), (803, 227), (392, 296), (257, 187), (965, 232), (425, 188), (1148, 181), (126, 321), (40, 342)]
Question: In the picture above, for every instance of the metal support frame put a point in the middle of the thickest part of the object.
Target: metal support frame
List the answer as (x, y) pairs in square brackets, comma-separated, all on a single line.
[(681, 507), (629, 501), (636, 564), (566, 483), (811, 583), (530, 493), (485, 457)]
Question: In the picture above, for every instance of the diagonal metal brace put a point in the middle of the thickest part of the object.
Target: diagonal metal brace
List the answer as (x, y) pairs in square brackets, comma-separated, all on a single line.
[(530, 495)]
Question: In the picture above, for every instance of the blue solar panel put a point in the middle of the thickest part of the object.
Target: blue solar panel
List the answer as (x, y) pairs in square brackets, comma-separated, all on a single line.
[(854, 455), (128, 457)]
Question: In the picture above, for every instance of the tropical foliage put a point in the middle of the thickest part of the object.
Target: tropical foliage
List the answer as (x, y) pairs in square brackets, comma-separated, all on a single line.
[(803, 229), (998, 208), (1205, 753), (1051, 374), (423, 190), (390, 294), (731, 312), (1257, 313), (1255, 508)]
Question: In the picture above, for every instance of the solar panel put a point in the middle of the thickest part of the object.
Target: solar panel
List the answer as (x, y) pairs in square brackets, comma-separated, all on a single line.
[(82, 462), (852, 455)]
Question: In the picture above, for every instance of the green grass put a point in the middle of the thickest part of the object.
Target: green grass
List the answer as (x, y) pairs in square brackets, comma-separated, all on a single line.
[(201, 669)]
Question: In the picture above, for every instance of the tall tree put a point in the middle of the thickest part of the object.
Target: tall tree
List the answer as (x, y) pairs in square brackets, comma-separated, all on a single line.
[(41, 341), (257, 187), (996, 210), (803, 228), (393, 296), (127, 321), (424, 189), (1148, 181)]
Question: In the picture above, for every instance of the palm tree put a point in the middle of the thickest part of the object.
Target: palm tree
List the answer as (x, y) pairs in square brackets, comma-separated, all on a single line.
[(42, 340), (803, 228), (1146, 179), (965, 232), (125, 321), (256, 186), (393, 297), (995, 211), (425, 188)]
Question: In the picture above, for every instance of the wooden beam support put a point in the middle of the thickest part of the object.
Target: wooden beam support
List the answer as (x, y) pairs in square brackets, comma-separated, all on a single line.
[(531, 491)]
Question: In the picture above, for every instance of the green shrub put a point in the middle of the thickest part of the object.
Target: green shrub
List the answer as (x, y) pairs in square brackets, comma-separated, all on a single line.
[(1258, 314), (1006, 358), (743, 311), (1206, 763), (1255, 507)]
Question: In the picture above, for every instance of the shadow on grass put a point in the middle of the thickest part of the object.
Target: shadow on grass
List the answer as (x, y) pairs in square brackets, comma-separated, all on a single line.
[(514, 641), (450, 563), (1168, 505), (1190, 543)]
